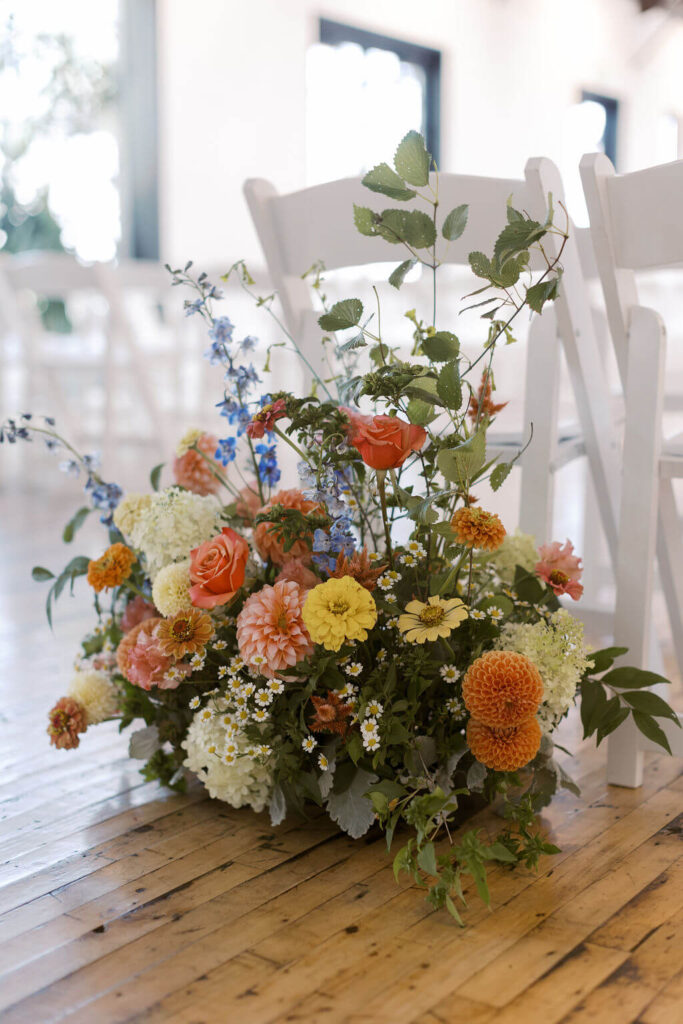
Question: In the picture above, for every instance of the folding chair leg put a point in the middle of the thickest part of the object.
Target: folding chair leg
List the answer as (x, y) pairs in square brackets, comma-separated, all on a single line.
[(540, 409), (637, 522)]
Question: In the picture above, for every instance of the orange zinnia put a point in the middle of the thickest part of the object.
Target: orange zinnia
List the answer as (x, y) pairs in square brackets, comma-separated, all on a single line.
[(502, 689), (504, 750), (477, 528), (187, 632), (112, 568)]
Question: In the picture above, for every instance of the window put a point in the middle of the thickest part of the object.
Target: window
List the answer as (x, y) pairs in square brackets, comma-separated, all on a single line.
[(364, 91), (590, 126), (609, 115)]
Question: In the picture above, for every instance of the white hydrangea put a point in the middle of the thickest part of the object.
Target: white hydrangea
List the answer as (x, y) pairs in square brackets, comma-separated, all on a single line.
[(128, 512), (243, 782), (517, 549), (558, 650), (171, 590), (174, 522), (96, 692)]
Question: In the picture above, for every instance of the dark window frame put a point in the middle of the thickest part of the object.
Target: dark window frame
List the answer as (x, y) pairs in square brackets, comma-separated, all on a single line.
[(611, 133), (333, 33)]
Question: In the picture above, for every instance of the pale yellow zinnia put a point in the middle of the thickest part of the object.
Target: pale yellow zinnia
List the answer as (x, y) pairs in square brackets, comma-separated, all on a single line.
[(437, 618), (339, 610)]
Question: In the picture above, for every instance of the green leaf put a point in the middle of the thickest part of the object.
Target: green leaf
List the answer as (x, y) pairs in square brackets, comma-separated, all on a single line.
[(544, 291), (448, 386), (498, 851), (604, 659), (453, 911), (397, 276), (480, 264), (351, 809), (629, 678), (155, 476), (424, 387), (455, 223), (75, 524), (403, 859), (476, 775), (650, 704), (426, 858), (385, 181), (412, 160), (513, 214), (516, 237), (420, 412), (346, 313), (593, 702), (651, 730), (499, 474), (411, 226), (460, 464), (441, 347), (40, 574), (364, 219), (611, 722), (353, 343)]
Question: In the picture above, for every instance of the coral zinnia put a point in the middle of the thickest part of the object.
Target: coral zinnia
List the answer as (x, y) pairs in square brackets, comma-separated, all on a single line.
[(560, 568), (186, 632), (331, 714), (358, 567), (437, 618), (477, 528), (339, 610), (504, 750), (67, 719), (111, 568), (268, 537), (502, 689), (270, 629), (265, 419), (192, 470)]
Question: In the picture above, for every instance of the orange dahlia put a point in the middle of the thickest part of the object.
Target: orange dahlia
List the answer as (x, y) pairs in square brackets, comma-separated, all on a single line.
[(502, 689), (504, 750), (196, 472), (477, 528), (268, 537), (111, 568), (186, 632), (271, 634), (67, 719)]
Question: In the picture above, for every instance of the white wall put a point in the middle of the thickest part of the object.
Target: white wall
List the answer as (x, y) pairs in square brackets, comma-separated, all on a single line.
[(232, 92)]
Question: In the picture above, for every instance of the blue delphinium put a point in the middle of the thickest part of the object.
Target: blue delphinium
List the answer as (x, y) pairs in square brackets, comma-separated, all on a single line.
[(226, 452), (267, 466)]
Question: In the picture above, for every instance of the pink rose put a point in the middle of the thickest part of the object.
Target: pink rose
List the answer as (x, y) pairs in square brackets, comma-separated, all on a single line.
[(217, 569), (560, 568)]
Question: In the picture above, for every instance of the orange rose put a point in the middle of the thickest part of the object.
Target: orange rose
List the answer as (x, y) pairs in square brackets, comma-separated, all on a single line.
[(217, 569), (384, 442)]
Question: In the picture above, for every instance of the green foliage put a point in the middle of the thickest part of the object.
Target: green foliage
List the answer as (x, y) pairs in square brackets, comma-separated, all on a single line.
[(364, 219), (620, 693), (412, 227), (441, 346), (75, 524), (385, 181), (397, 276), (460, 465), (155, 476), (412, 161), (449, 386), (346, 313), (455, 223), (544, 291), (499, 474)]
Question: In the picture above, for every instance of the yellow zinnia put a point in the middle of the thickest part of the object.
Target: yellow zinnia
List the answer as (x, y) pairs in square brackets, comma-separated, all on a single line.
[(437, 618), (339, 610)]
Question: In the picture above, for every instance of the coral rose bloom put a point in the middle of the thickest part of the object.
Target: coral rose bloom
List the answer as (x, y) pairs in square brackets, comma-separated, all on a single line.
[(384, 442), (270, 630), (192, 471), (268, 538), (560, 568), (217, 569)]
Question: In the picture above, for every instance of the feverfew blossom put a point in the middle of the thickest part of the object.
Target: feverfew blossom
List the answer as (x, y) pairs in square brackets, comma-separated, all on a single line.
[(558, 650), (171, 525), (240, 781)]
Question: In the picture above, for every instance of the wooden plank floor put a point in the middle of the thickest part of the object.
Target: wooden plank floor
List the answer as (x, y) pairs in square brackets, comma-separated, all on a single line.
[(120, 902)]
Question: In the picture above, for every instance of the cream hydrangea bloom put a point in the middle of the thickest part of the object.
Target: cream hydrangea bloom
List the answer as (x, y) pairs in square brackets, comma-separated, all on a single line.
[(174, 522), (517, 549), (558, 651), (243, 782), (187, 440), (96, 692), (171, 590), (129, 511)]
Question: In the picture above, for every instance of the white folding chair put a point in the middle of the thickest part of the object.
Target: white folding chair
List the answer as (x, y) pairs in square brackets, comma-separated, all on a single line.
[(300, 228), (636, 222)]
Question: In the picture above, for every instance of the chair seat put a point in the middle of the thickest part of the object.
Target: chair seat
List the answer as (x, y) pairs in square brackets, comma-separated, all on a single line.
[(570, 445), (671, 459)]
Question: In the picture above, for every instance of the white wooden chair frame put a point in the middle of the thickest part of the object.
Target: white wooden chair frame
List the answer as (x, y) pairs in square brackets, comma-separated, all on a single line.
[(636, 222)]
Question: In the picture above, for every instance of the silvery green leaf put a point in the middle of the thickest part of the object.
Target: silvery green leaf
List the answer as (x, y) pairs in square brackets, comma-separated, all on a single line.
[(384, 180), (475, 777), (277, 806), (352, 810), (455, 223), (144, 743), (412, 159)]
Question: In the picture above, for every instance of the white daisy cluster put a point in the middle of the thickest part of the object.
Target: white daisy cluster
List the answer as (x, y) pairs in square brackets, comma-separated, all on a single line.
[(95, 691), (169, 525), (413, 553), (369, 728), (455, 707), (230, 767), (558, 650), (517, 549), (386, 583), (450, 673)]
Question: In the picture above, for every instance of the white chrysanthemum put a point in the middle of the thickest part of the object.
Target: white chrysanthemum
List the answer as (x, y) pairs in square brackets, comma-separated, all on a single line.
[(189, 438), (171, 590), (174, 522), (96, 692), (239, 783), (558, 651), (129, 511), (517, 549)]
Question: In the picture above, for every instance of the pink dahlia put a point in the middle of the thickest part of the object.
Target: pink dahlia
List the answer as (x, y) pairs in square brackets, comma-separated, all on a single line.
[(297, 572), (142, 662), (270, 630), (560, 568), (192, 471), (136, 612)]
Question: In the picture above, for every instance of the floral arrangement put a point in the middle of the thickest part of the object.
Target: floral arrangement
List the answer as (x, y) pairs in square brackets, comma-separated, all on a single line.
[(366, 639)]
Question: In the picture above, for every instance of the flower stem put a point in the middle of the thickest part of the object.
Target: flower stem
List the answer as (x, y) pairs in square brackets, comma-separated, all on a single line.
[(381, 473)]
